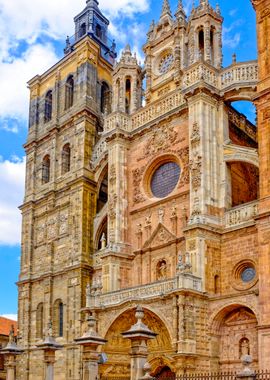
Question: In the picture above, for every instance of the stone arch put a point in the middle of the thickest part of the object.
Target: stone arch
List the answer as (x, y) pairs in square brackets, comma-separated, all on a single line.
[(117, 348), (163, 364), (244, 182), (229, 327), (242, 157), (102, 189)]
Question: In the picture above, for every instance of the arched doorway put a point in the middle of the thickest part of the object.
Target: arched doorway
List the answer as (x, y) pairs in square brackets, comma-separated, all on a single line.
[(117, 348), (234, 334), (164, 373)]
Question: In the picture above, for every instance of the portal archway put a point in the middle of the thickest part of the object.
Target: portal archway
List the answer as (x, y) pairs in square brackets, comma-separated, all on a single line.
[(233, 334), (117, 348)]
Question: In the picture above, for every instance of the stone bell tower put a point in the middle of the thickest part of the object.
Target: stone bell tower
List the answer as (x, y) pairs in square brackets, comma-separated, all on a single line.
[(127, 83), (205, 35), (67, 105)]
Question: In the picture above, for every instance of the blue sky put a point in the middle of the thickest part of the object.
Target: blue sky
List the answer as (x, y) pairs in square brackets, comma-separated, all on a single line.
[(32, 36)]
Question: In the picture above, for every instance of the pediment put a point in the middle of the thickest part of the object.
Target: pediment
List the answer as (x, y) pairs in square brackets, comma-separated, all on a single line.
[(242, 316), (160, 236)]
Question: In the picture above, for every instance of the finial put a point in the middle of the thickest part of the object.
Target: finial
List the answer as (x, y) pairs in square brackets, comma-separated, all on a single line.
[(139, 314), (218, 9), (93, 3), (166, 9), (233, 58), (180, 10)]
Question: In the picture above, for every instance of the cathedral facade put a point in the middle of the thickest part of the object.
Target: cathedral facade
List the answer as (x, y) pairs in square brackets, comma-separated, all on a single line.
[(144, 185)]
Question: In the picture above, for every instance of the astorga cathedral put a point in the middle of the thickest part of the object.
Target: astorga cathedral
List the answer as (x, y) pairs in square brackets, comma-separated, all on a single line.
[(145, 186)]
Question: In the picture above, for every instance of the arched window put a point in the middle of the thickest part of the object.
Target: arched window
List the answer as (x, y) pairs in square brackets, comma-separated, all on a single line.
[(216, 284), (58, 321), (82, 30), (46, 164), (48, 107), (212, 52), (39, 321), (105, 99), (244, 347), (118, 94), (66, 159), (128, 95), (99, 31), (69, 96), (201, 44)]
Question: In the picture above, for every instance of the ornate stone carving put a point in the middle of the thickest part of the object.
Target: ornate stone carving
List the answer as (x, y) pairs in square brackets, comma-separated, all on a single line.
[(112, 206), (195, 169), (112, 175), (161, 214), (161, 139), (184, 156), (137, 174), (195, 137)]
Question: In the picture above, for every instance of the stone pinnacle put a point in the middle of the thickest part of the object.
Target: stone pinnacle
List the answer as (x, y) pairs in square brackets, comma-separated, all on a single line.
[(166, 9)]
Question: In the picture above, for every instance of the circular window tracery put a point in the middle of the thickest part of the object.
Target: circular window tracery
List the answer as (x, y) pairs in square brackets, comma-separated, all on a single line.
[(165, 179), (248, 274), (244, 275)]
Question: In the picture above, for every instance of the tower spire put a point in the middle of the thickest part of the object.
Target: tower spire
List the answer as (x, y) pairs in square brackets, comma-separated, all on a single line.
[(166, 9), (180, 12)]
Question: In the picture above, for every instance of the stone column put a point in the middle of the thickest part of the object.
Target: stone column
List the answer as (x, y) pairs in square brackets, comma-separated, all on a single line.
[(139, 334), (10, 352), (49, 346), (90, 342)]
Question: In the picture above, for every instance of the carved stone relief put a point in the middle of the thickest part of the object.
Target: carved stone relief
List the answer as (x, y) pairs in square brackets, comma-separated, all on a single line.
[(160, 140), (137, 174), (195, 169)]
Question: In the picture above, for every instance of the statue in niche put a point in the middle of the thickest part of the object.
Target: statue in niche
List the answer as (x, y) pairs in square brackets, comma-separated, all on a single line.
[(162, 270), (244, 347), (161, 213)]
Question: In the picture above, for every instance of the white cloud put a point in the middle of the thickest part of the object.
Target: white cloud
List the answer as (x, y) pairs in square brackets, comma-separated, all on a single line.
[(14, 76), (13, 317), (231, 41), (11, 196), (231, 36)]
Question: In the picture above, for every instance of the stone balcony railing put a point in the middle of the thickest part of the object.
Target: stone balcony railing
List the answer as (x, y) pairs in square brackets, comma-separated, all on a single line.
[(239, 74), (200, 72), (117, 119), (156, 109), (144, 292), (144, 115), (241, 215), (99, 150)]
